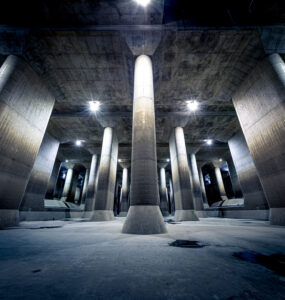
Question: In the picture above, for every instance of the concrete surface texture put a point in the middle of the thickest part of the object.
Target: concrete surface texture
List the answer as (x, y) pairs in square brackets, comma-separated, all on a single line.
[(124, 205), (184, 206), (33, 199), (25, 109), (144, 215), (260, 105), (254, 197), (87, 260), (105, 186)]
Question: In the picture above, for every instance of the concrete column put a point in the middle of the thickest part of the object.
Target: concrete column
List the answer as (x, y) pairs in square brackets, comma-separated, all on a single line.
[(197, 193), (124, 194), (104, 197), (32, 204), (85, 185), (234, 178), (184, 205), (91, 187), (144, 216), (171, 195), (163, 191), (67, 184), (203, 188), (53, 180), (25, 109), (260, 106), (255, 203), (220, 181)]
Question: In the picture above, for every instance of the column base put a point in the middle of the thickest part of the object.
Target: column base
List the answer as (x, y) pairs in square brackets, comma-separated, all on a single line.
[(277, 216), (102, 216), (165, 213), (144, 219), (87, 214), (9, 218), (123, 214), (185, 215), (201, 213)]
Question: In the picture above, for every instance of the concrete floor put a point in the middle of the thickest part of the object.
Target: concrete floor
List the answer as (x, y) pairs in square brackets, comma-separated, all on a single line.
[(84, 260)]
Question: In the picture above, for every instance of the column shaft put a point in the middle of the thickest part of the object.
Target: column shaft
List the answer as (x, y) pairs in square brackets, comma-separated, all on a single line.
[(91, 187), (163, 193), (220, 183), (203, 189), (144, 216), (53, 180), (104, 196), (184, 206), (67, 184), (85, 185), (25, 109), (260, 106), (124, 205)]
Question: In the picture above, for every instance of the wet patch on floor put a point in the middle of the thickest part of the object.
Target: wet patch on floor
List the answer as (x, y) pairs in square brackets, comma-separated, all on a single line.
[(274, 262), (47, 227), (186, 244), (36, 271)]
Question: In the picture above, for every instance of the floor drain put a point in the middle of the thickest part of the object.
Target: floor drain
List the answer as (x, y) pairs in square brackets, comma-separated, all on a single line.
[(274, 262), (186, 244)]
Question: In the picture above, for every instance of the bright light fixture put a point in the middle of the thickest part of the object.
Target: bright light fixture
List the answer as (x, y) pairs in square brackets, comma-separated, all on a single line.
[(66, 160), (192, 105), (119, 160), (220, 159), (209, 142), (143, 3), (168, 160), (94, 105), (78, 143)]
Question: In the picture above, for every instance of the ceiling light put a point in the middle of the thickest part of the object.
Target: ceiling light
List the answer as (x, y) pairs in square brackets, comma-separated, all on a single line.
[(66, 160), (220, 159), (168, 160), (119, 160), (78, 143), (143, 3), (192, 105), (94, 105), (209, 142)]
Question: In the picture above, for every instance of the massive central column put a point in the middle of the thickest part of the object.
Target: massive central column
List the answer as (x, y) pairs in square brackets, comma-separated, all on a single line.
[(106, 181), (144, 216), (124, 194), (67, 184)]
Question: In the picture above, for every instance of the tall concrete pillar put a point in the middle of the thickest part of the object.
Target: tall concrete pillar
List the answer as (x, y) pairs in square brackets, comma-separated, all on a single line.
[(91, 187), (32, 204), (144, 216), (67, 184), (25, 109), (104, 197), (220, 182), (255, 203), (234, 177), (203, 188), (197, 193), (53, 180), (184, 204), (85, 185), (163, 190), (171, 196), (260, 106), (124, 205)]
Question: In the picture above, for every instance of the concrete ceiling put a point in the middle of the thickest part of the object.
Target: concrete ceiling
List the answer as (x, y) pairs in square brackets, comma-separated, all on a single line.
[(85, 50)]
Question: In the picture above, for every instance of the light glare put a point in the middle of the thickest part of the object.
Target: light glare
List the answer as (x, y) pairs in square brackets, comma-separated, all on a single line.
[(94, 105), (192, 105), (143, 3), (209, 142), (78, 143)]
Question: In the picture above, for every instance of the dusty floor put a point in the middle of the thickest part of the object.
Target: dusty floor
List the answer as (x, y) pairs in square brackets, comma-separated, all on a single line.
[(84, 260)]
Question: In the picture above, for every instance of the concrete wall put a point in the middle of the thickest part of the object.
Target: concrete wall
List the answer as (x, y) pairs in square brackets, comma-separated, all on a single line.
[(25, 108), (260, 105), (33, 199), (53, 180)]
